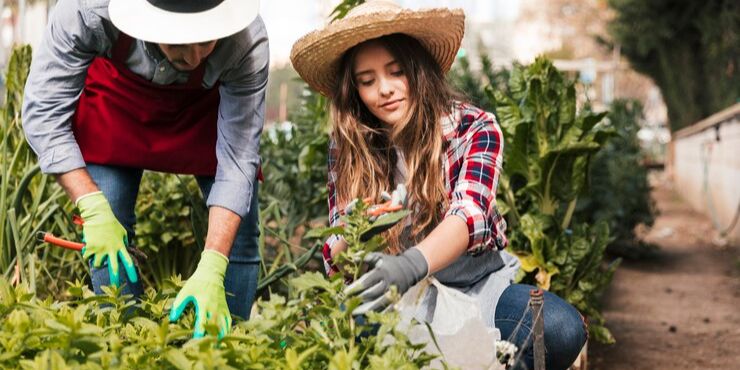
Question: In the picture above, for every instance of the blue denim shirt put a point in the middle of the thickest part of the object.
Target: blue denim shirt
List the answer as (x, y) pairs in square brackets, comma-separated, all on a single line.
[(80, 30)]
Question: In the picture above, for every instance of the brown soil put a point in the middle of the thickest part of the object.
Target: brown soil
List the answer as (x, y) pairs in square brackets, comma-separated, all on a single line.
[(679, 309)]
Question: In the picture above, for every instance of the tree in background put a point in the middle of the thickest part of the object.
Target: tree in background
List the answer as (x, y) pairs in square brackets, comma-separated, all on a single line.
[(689, 48)]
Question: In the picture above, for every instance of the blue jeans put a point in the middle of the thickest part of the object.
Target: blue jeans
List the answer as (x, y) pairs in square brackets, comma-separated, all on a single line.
[(565, 330), (120, 185)]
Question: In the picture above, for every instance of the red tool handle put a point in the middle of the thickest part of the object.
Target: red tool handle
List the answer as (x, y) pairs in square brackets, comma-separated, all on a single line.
[(51, 239)]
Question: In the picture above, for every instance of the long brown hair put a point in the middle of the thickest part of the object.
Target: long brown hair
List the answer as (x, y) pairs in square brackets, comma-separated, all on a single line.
[(366, 148)]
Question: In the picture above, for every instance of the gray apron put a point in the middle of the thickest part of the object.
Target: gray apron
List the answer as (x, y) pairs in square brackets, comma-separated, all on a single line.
[(483, 277)]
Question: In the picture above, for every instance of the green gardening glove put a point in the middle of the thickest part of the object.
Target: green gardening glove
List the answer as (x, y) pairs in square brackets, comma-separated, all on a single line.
[(205, 290), (104, 237)]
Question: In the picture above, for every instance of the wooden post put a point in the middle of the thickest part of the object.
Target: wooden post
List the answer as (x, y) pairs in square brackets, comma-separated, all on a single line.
[(536, 304)]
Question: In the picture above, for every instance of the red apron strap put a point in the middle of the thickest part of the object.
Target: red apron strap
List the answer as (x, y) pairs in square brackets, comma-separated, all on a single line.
[(196, 76), (122, 48)]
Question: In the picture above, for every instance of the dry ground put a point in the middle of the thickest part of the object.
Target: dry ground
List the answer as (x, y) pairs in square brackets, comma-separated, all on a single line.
[(681, 308)]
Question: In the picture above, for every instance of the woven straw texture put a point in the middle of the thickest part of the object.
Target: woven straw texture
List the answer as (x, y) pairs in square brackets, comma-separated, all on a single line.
[(316, 56)]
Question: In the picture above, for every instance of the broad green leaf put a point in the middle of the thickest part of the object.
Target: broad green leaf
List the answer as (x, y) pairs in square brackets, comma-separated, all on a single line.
[(312, 280), (390, 218), (324, 232)]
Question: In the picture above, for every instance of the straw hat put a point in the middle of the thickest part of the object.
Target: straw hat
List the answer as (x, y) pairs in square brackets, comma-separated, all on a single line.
[(316, 56), (182, 21)]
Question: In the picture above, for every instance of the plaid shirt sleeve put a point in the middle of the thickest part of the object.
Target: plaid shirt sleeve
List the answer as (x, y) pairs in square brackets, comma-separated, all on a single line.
[(474, 193), (333, 211)]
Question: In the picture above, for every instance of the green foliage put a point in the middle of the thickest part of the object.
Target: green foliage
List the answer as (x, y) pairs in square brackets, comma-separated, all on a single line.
[(30, 202), (293, 196), (171, 226), (341, 10), (689, 48), (294, 166), (355, 225), (619, 189), (549, 146), (473, 85), (311, 328)]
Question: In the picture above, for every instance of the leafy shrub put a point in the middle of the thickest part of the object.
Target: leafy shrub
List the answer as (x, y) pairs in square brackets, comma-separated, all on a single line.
[(548, 148), (171, 225), (311, 328), (29, 201), (619, 189)]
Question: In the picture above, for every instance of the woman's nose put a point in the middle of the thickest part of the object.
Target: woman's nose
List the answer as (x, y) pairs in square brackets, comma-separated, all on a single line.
[(385, 87)]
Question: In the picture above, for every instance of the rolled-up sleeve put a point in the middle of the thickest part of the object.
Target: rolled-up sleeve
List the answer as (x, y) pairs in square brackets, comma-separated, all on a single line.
[(240, 121), (473, 195), (334, 214), (73, 37)]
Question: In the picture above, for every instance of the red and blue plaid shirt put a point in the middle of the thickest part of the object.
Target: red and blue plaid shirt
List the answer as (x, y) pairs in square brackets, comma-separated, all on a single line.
[(473, 145)]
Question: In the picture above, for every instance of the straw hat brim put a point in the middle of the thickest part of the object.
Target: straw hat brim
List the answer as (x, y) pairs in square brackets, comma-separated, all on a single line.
[(316, 56)]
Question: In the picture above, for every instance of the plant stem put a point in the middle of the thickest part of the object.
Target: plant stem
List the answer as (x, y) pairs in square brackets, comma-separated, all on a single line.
[(569, 213)]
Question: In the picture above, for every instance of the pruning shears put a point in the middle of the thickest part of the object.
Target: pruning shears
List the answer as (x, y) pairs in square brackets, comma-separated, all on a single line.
[(393, 202), (47, 237)]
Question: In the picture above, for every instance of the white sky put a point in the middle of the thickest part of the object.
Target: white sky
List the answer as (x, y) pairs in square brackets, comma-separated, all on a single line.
[(288, 20)]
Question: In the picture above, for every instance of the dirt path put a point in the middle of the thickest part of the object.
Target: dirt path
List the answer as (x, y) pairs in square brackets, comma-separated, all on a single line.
[(680, 309)]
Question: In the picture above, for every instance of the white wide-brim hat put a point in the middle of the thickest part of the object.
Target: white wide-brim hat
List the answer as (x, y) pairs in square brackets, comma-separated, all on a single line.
[(316, 56), (182, 21)]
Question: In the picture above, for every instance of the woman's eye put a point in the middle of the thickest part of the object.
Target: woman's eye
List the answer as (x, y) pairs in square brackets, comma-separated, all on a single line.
[(366, 82), (397, 73)]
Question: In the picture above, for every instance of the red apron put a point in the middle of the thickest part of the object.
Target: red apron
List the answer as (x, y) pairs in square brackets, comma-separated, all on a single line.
[(123, 119)]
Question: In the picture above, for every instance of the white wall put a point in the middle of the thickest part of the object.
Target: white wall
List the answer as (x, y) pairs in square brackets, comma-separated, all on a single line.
[(706, 171)]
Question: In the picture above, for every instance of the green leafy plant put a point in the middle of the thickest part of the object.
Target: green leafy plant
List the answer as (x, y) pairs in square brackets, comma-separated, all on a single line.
[(619, 189), (30, 202), (310, 328), (474, 84), (354, 225), (549, 146), (172, 221)]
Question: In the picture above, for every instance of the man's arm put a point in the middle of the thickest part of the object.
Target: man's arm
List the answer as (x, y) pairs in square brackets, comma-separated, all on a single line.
[(77, 183), (222, 227), (72, 39), (240, 122)]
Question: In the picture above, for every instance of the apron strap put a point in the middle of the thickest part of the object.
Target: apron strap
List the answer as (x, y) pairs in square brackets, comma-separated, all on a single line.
[(121, 48), (195, 79)]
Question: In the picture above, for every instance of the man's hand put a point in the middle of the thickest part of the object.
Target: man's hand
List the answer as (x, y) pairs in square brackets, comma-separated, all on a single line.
[(205, 290), (104, 237), (402, 271)]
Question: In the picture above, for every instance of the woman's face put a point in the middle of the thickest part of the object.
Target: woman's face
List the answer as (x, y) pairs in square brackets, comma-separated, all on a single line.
[(381, 83)]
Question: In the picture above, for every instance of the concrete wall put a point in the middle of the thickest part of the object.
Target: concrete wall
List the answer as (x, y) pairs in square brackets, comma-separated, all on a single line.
[(706, 167)]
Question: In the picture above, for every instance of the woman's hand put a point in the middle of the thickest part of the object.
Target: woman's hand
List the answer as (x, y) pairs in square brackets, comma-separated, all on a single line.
[(402, 271)]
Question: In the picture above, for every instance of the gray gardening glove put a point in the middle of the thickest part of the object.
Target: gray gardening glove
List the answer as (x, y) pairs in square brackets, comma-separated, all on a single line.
[(402, 271)]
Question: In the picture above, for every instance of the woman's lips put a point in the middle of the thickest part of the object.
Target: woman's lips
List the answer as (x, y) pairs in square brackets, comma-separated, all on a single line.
[(392, 105)]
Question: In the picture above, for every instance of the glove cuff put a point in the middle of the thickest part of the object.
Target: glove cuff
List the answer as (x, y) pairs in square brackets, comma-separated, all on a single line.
[(93, 204), (88, 195), (212, 264), (418, 262)]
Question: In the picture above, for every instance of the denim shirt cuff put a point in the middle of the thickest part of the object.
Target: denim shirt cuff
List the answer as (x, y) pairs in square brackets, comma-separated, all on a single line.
[(233, 196), (61, 159)]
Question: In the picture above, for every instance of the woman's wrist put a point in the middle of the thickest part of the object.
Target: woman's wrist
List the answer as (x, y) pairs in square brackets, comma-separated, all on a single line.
[(338, 247)]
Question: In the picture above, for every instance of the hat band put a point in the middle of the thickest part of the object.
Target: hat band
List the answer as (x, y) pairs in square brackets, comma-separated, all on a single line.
[(185, 6)]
